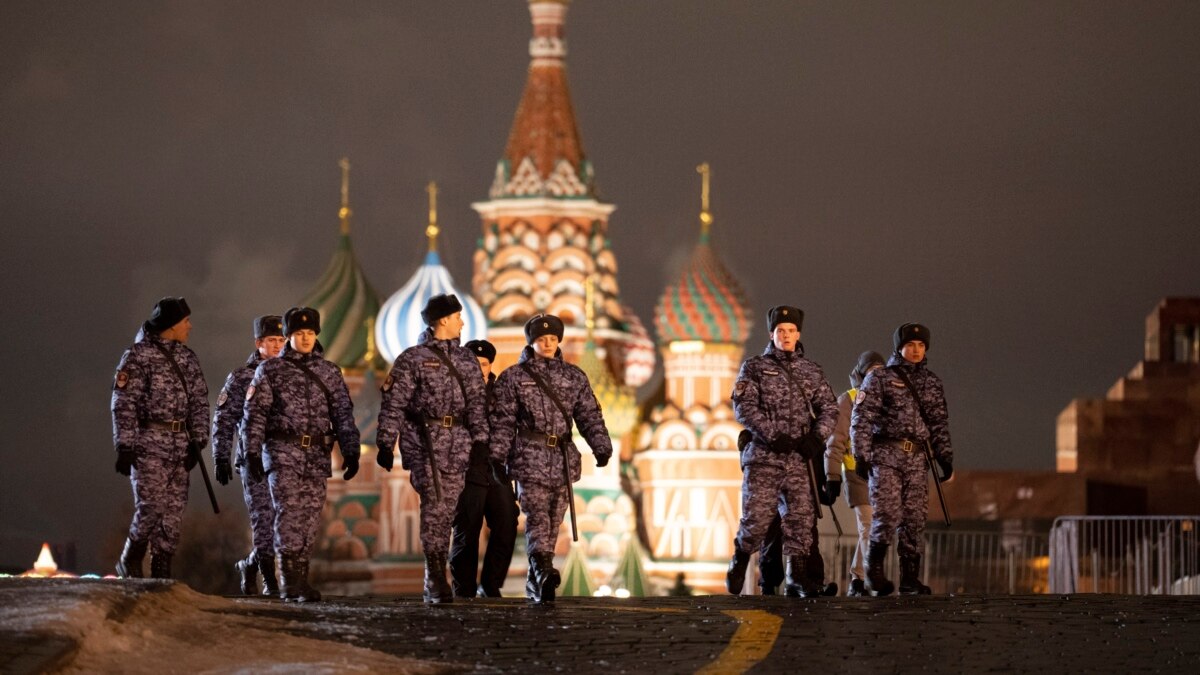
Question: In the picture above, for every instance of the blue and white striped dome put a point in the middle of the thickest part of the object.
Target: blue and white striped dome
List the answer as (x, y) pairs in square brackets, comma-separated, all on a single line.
[(400, 322)]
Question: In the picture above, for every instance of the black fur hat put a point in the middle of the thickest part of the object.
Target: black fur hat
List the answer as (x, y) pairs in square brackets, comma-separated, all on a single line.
[(784, 314), (440, 306), (865, 361), (482, 349), (167, 312), (909, 332), (298, 318), (543, 324), (270, 325)]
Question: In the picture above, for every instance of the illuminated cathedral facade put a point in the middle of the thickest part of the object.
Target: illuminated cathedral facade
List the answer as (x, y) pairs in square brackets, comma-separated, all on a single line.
[(671, 505)]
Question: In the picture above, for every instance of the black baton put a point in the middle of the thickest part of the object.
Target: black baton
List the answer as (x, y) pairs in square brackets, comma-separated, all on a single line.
[(212, 497), (936, 483), (570, 493)]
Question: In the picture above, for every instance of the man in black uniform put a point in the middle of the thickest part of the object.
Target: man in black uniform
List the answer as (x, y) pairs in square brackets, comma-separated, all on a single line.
[(488, 494)]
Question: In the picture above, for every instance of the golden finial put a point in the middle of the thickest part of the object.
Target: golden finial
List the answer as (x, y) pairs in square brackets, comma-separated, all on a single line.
[(344, 212), (706, 218), (589, 304), (369, 357), (432, 230)]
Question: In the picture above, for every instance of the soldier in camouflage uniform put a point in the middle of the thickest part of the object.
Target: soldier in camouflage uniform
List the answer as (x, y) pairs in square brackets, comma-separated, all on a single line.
[(296, 406), (160, 424), (889, 445), (268, 342), (839, 464), (434, 404), (487, 494), (536, 403), (780, 396)]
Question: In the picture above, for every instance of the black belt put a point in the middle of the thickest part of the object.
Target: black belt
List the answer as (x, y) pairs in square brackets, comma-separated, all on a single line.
[(551, 440), (174, 426), (444, 421), (906, 445), (305, 440)]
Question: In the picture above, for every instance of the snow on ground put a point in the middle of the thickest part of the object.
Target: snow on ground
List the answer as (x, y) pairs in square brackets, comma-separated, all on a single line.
[(155, 627)]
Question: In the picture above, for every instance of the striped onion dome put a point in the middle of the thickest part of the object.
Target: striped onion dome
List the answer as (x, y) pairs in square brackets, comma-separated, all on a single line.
[(400, 322), (707, 304), (345, 300), (616, 400)]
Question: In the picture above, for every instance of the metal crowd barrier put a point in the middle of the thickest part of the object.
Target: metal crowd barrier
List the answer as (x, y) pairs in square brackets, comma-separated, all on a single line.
[(1125, 554), (982, 562)]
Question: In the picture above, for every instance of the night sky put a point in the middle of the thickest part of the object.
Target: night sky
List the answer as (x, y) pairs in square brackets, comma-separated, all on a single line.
[(1023, 177)]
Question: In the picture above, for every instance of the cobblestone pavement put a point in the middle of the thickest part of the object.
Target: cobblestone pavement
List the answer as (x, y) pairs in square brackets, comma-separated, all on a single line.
[(723, 634), (1080, 633)]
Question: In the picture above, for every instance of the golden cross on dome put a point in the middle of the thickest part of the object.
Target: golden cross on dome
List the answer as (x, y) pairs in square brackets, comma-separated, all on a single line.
[(706, 218), (432, 230), (344, 212)]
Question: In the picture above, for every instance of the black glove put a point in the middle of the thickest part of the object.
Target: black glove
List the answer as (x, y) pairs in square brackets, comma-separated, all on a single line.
[(602, 461), (124, 461), (350, 464), (499, 473), (863, 468), (254, 466), (479, 452), (189, 461), (830, 494), (222, 471), (947, 469), (385, 459)]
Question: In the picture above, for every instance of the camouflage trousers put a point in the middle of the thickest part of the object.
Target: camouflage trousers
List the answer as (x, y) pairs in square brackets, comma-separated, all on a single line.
[(437, 515), (767, 490), (544, 507), (160, 492), (900, 499), (298, 497), (257, 495)]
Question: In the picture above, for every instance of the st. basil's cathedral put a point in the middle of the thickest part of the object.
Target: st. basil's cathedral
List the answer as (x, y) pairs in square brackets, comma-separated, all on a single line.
[(668, 511)]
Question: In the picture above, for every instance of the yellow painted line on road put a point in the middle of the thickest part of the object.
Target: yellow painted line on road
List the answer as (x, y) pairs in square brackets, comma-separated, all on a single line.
[(753, 640)]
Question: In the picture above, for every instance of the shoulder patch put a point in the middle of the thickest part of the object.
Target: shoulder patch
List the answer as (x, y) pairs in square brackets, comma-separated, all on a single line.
[(222, 397), (250, 392), (122, 379), (387, 384), (862, 396), (739, 387)]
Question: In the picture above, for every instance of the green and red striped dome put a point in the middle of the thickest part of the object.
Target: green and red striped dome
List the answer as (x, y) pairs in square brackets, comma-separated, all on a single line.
[(706, 304)]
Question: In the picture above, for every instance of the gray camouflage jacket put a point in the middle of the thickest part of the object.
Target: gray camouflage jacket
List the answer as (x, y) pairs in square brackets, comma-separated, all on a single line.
[(886, 409), (146, 388)]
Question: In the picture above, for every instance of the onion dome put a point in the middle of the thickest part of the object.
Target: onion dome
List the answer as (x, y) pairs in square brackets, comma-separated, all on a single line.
[(617, 401), (576, 578), (400, 322), (343, 296), (707, 304), (544, 155), (637, 358)]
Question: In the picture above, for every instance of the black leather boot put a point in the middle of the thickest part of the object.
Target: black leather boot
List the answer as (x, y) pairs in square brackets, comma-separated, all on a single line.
[(544, 578), (877, 582), (248, 574), (290, 588), (735, 578), (129, 565), (910, 571), (160, 565), (857, 589), (797, 582), (266, 566), (437, 589), (306, 592)]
